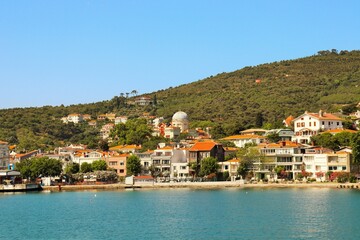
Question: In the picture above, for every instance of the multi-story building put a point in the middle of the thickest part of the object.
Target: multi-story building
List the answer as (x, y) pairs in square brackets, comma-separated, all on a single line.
[(202, 150), (118, 163), (310, 124), (4, 155)]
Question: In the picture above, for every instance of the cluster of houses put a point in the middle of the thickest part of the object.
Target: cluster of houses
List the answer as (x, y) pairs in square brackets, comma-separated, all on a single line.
[(293, 152)]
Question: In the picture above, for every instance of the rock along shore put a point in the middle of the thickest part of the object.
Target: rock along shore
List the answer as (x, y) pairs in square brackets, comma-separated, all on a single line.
[(198, 185)]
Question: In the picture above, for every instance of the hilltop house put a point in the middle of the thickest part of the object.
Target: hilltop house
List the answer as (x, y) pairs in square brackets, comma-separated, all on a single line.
[(143, 101), (74, 118), (310, 124)]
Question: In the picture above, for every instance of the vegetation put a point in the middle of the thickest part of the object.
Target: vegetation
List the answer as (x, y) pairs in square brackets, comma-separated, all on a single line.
[(33, 168), (334, 142), (227, 102), (208, 166), (133, 165)]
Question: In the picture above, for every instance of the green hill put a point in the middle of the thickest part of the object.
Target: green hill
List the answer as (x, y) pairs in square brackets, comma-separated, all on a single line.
[(235, 100)]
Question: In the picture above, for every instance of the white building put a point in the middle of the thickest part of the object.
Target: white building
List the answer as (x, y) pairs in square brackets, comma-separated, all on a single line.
[(105, 130), (121, 119), (241, 140), (74, 118), (310, 124), (180, 119)]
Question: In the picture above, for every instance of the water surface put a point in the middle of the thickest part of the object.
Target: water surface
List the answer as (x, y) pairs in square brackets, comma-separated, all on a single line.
[(183, 214)]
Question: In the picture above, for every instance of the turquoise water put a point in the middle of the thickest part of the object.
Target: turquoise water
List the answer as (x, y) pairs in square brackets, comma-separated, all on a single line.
[(183, 214)]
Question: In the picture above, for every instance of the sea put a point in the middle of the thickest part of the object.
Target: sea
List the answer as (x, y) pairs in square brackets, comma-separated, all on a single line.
[(233, 213)]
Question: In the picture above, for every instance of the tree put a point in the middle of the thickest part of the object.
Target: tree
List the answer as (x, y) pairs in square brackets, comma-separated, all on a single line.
[(355, 144), (273, 137), (39, 167), (208, 165), (325, 140), (72, 168), (103, 145), (85, 167), (133, 165), (99, 165), (249, 156)]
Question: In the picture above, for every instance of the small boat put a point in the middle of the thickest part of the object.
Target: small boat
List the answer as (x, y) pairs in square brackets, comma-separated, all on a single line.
[(10, 181)]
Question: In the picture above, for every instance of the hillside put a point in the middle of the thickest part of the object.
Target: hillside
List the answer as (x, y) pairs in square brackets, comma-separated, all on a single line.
[(235, 100), (327, 81)]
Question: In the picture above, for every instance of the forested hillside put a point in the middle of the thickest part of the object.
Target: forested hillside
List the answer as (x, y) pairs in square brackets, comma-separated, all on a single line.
[(252, 96)]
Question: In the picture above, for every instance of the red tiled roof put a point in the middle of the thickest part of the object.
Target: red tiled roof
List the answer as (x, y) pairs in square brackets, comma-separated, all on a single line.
[(247, 136), (203, 146)]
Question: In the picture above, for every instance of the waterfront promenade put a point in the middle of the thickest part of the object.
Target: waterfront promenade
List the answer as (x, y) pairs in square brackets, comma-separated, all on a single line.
[(200, 185)]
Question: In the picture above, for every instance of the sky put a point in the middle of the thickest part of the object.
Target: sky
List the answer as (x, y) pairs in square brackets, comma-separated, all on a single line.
[(69, 52)]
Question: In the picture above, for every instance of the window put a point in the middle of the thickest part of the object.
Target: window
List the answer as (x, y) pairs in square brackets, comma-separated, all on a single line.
[(337, 123), (323, 123), (121, 170), (174, 167), (314, 124), (112, 163), (226, 167), (309, 124), (298, 124), (303, 124), (121, 163), (183, 167), (343, 168)]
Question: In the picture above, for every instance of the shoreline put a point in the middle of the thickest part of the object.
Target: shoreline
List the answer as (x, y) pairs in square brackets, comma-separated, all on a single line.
[(198, 185)]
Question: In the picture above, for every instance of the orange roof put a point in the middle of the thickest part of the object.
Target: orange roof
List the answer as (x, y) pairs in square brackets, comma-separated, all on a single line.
[(325, 116), (247, 136), (203, 146), (143, 177), (4, 143), (339, 130), (234, 160), (288, 120), (280, 144)]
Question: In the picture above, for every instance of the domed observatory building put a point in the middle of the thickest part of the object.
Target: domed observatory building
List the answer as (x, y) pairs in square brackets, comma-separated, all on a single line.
[(180, 120)]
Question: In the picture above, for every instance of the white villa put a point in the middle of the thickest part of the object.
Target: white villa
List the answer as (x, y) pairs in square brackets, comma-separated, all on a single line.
[(310, 124)]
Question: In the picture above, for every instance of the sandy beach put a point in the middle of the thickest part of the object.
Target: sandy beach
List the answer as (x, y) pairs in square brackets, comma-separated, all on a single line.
[(200, 185)]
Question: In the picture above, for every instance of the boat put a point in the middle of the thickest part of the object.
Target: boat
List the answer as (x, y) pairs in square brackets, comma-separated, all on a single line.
[(11, 181)]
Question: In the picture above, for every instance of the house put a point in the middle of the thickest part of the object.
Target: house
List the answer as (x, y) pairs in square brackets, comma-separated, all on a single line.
[(230, 166), (126, 148), (284, 134), (74, 118), (86, 117), (146, 161), (172, 132), (4, 155), (310, 124), (118, 163), (254, 131), (143, 101), (201, 150), (339, 130), (121, 119), (105, 130), (88, 156), (241, 140), (288, 121), (170, 162), (109, 116)]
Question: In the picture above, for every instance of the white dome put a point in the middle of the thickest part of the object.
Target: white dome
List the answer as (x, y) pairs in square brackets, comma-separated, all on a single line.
[(180, 116)]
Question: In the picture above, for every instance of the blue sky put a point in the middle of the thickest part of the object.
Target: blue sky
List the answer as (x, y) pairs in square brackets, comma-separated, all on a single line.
[(69, 52)]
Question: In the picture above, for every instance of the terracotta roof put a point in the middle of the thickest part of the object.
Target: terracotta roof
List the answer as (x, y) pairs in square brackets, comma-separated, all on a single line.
[(231, 148), (324, 116), (247, 136), (339, 130), (3, 143), (281, 144), (253, 130), (143, 177), (203, 146), (288, 120)]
